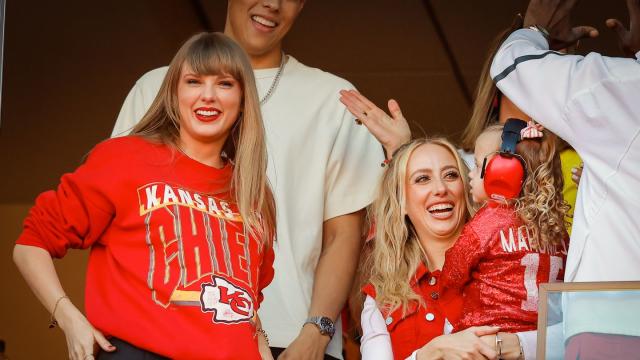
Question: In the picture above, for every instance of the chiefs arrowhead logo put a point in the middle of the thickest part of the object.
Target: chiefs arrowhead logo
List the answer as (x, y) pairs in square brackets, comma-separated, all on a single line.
[(228, 302)]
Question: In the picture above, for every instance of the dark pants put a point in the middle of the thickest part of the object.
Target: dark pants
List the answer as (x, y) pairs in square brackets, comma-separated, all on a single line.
[(277, 351), (126, 351)]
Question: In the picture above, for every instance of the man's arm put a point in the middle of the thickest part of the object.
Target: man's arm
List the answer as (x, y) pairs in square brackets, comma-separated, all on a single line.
[(543, 82), (341, 245)]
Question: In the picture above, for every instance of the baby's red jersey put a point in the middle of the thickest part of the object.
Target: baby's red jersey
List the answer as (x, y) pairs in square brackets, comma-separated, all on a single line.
[(494, 265)]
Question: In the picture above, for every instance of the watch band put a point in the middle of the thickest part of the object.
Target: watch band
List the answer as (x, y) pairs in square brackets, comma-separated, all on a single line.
[(324, 324), (541, 30)]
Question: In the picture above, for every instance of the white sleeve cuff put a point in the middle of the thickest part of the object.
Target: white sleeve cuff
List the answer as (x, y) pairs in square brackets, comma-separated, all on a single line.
[(529, 341), (531, 35), (375, 343)]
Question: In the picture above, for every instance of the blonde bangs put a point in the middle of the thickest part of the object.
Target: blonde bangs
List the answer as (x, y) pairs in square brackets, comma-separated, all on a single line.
[(214, 58)]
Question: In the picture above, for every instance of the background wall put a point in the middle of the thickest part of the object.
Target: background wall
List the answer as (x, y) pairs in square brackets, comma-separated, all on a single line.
[(69, 65)]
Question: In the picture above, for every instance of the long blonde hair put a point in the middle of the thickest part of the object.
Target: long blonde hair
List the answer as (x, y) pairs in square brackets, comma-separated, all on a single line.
[(484, 113), (541, 205), (397, 252), (245, 147)]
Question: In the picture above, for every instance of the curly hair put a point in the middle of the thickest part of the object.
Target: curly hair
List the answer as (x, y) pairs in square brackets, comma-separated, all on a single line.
[(396, 252), (541, 205)]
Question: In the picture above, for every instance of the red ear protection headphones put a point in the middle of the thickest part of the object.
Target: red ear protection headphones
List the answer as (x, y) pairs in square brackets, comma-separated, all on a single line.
[(504, 173)]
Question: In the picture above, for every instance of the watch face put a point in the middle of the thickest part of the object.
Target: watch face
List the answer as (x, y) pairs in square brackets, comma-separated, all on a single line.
[(325, 323), (326, 326)]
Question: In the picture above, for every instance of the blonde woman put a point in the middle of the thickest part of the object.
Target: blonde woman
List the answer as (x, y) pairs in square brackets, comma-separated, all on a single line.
[(420, 211), (179, 218)]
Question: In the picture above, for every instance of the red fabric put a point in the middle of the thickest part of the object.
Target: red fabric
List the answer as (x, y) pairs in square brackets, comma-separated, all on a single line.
[(414, 330), (170, 270), (493, 265), (594, 346)]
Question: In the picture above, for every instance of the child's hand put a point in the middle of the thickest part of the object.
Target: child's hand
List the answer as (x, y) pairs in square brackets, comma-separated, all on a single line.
[(576, 173)]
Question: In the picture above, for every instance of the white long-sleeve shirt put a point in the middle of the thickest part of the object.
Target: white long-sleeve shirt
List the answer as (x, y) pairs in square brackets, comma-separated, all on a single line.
[(592, 102), (375, 343)]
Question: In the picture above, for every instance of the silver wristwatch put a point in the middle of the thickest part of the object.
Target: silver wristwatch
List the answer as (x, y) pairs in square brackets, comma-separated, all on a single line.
[(323, 323)]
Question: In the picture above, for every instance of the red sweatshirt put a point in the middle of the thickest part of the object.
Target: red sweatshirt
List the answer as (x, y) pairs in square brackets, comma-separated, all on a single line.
[(494, 265), (171, 268)]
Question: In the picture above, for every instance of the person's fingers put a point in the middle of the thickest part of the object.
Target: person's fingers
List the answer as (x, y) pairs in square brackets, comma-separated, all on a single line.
[(356, 104), (584, 32), (576, 174), (394, 109), (634, 11), (570, 4), (617, 27), (484, 330), (354, 108), (103, 342), (79, 352), (87, 349), (358, 99), (486, 350), (347, 102), (375, 114), (363, 99), (347, 98)]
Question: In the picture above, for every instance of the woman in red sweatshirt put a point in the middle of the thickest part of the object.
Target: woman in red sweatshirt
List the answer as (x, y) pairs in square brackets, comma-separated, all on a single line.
[(179, 219)]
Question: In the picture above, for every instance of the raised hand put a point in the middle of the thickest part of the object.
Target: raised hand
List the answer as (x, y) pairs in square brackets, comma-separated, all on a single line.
[(576, 174), (555, 17), (629, 40), (391, 131)]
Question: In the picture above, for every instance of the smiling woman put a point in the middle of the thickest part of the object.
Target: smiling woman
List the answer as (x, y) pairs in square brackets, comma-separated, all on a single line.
[(435, 196), (179, 217), (209, 107), (421, 208)]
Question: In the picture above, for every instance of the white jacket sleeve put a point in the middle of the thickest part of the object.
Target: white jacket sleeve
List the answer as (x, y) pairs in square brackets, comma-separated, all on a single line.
[(375, 343), (529, 341), (138, 101), (544, 83)]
